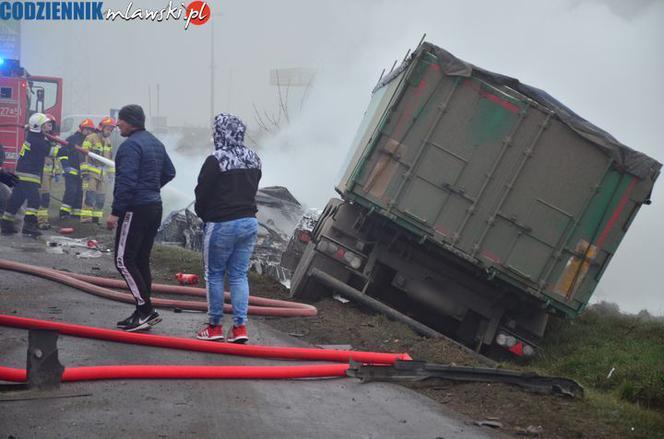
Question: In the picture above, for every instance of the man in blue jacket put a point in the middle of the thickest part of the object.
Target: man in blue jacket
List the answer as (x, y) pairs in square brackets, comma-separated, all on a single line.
[(142, 168)]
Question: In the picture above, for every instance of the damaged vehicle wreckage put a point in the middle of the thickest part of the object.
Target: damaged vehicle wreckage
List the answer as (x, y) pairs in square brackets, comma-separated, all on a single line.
[(475, 204)]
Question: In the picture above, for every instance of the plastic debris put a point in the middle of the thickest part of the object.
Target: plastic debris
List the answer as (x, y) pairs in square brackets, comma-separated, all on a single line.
[(338, 298), (187, 278), (489, 423)]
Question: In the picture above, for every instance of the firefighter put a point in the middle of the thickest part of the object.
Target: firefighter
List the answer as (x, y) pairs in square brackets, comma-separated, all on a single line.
[(28, 169), (51, 173), (94, 190), (71, 160)]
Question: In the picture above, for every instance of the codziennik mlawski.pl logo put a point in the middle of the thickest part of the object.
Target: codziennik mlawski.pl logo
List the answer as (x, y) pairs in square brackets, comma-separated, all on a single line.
[(196, 13)]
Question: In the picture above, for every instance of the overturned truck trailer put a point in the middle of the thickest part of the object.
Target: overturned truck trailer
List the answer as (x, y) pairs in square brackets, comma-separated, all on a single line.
[(476, 203)]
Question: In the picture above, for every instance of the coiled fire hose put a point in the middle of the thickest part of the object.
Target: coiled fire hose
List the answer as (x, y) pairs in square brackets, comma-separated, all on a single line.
[(99, 287), (261, 306)]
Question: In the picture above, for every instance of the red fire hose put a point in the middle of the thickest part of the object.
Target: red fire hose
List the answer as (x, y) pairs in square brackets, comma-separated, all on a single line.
[(185, 291), (258, 305), (291, 353), (261, 306), (186, 372)]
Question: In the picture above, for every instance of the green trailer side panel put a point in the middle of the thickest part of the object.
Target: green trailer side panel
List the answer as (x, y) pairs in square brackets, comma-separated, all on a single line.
[(495, 178)]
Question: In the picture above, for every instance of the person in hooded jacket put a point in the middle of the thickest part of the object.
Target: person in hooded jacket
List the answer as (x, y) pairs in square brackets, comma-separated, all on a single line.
[(226, 202)]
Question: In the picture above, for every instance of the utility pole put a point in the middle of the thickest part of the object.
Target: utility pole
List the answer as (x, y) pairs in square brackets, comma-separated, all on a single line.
[(212, 68), (212, 65)]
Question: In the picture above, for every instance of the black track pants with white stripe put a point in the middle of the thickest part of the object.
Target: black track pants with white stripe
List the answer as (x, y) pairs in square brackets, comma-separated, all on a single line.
[(134, 238)]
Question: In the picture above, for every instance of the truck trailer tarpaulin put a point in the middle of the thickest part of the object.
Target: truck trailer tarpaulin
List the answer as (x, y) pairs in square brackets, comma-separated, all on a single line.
[(480, 197)]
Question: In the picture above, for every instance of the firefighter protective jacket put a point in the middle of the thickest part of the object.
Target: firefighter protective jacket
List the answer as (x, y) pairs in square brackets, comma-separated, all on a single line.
[(100, 145), (31, 158), (70, 157)]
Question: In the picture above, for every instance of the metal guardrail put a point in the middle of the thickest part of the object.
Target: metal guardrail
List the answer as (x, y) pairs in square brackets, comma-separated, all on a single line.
[(410, 371)]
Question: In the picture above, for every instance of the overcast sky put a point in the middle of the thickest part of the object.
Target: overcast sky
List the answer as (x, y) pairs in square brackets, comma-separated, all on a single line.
[(602, 58)]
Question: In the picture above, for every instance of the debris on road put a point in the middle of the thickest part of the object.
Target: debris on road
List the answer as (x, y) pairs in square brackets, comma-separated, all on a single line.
[(531, 430), (79, 247), (338, 298), (489, 423)]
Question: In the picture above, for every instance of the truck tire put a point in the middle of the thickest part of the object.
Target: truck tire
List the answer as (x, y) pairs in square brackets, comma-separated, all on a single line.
[(302, 285)]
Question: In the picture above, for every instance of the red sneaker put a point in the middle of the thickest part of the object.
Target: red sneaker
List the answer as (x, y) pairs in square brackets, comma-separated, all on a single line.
[(210, 332), (238, 334)]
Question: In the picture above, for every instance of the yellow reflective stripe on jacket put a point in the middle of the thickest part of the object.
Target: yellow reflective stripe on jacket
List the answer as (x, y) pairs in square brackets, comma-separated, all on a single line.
[(88, 167), (30, 178), (25, 147), (73, 172), (91, 169)]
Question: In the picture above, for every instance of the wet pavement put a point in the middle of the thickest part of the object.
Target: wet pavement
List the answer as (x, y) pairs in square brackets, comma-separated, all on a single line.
[(331, 408)]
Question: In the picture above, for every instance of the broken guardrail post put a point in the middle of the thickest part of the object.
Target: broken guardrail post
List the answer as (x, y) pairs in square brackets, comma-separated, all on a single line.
[(43, 366)]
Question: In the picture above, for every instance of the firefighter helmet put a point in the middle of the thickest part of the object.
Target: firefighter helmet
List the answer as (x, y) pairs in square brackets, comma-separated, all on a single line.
[(87, 123), (36, 121), (107, 122)]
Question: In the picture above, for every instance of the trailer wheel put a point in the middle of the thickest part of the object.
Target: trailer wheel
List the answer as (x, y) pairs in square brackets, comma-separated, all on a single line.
[(302, 284)]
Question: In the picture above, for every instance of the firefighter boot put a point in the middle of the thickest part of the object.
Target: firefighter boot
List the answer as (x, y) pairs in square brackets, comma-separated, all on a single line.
[(42, 220), (30, 226), (7, 226)]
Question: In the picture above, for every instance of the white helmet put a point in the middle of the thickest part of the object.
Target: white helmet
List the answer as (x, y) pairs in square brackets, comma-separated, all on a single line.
[(36, 121)]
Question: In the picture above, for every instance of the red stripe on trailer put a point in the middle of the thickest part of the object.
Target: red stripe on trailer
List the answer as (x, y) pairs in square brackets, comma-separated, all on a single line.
[(616, 213)]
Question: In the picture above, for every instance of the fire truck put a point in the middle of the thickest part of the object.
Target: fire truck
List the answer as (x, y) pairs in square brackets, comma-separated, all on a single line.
[(21, 95)]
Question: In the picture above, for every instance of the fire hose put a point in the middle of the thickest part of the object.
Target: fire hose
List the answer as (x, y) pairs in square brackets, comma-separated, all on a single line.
[(96, 286), (258, 351), (92, 155), (89, 373), (51, 137), (261, 306), (197, 372)]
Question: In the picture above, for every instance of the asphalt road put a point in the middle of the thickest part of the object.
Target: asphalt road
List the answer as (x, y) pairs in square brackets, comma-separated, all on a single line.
[(332, 408)]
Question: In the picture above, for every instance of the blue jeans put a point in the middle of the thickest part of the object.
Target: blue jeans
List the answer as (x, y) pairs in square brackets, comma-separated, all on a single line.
[(227, 247)]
